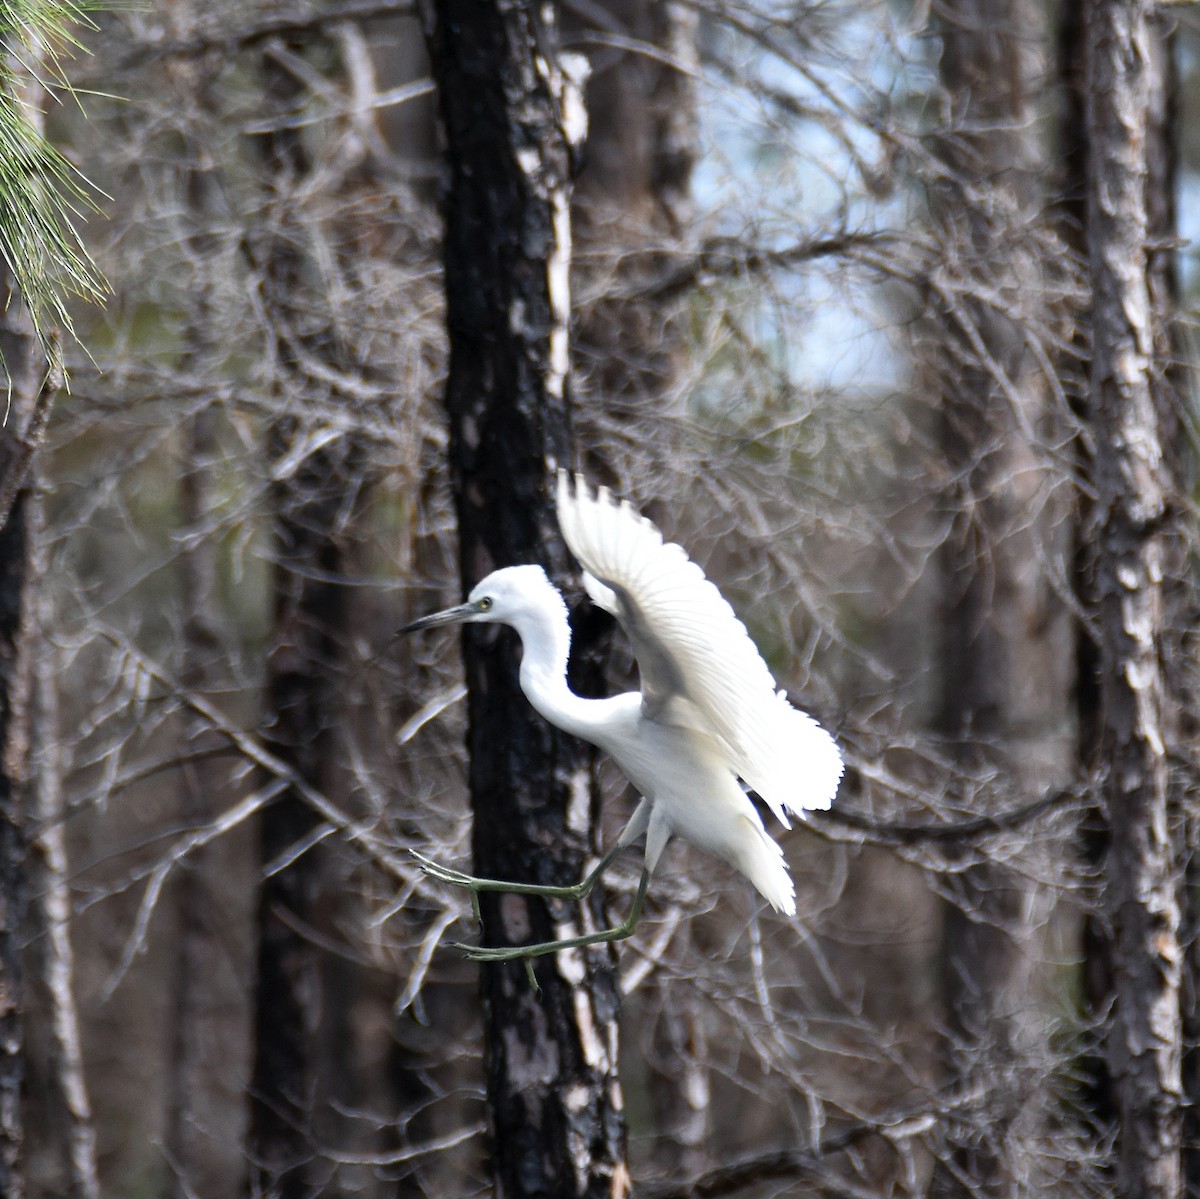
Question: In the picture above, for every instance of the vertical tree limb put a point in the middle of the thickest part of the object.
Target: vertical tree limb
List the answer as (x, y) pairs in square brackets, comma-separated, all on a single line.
[(203, 786), (1131, 558), (510, 118), (71, 1120), (1005, 650), (42, 263), (190, 1119), (19, 351), (307, 630)]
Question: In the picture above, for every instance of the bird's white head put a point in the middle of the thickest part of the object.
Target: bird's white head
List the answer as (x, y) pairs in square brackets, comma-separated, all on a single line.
[(520, 596)]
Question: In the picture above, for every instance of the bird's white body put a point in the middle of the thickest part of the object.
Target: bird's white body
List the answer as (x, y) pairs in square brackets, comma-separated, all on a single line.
[(708, 712), (687, 787)]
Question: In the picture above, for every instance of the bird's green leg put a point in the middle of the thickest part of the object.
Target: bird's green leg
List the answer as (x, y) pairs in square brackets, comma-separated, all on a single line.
[(488, 953), (456, 878)]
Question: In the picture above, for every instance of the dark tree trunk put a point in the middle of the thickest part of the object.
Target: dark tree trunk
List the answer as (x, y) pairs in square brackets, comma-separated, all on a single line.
[(553, 1093), (1133, 539), (307, 634), (301, 683), (1005, 647), (1093, 833)]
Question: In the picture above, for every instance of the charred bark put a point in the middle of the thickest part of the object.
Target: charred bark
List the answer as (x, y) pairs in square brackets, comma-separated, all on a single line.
[(508, 117)]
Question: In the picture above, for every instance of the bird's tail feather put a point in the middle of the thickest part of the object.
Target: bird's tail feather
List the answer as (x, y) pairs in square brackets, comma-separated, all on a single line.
[(761, 861)]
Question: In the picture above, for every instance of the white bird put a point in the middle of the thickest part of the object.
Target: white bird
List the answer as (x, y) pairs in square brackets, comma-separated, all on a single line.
[(708, 712)]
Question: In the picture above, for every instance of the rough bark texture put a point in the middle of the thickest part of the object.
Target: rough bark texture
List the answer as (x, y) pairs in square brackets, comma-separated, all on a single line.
[(553, 1094), (1093, 833), (1132, 542), (1005, 635)]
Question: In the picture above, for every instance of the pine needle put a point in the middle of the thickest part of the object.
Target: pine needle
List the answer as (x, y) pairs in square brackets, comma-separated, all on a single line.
[(41, 192)]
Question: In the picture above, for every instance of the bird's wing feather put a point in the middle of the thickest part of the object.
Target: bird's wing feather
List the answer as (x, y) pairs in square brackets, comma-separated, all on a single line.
[(697, 664)]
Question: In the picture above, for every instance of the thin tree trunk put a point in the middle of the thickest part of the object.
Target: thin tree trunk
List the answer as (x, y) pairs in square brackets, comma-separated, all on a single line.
[(1171, 384), (29, 392), (307, 632), (202, 785), (308, 613), (190, 1121), (553, 1092), (71, 1119), (20, 355), (1133, 544), (1093, 832)]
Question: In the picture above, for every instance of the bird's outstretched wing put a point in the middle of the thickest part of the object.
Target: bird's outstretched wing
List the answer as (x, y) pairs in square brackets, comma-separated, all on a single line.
[(697, 663)]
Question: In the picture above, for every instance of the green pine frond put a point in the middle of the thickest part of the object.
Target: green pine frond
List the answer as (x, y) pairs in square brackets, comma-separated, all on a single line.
[(47, 27), (40, 190)]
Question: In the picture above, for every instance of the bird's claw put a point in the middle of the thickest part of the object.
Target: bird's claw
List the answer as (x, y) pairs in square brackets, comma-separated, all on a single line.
[(454, 878), (443, 874), (489, 953)]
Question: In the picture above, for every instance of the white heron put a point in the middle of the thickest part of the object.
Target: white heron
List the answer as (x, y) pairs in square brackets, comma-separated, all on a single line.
[(708, 712)]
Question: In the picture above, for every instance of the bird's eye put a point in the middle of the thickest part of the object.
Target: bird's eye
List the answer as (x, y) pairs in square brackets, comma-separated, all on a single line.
[(485, 604)]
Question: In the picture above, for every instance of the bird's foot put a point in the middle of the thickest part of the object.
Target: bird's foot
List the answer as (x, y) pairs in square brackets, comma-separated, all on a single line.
[(509, 953), (505, 953), (470, 882), (475, 886)]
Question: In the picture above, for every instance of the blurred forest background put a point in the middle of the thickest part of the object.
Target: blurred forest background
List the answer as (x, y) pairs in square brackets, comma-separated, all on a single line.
[(884, 310)]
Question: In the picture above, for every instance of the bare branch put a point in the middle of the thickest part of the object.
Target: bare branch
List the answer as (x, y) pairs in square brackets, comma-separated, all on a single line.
[(358, 832)]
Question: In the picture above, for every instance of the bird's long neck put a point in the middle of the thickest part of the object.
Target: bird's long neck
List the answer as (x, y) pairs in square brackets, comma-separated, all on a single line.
[(546, 641)]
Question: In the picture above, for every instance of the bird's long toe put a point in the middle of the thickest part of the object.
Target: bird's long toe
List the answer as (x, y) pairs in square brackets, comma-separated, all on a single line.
[(443, 874), (489, 953)]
